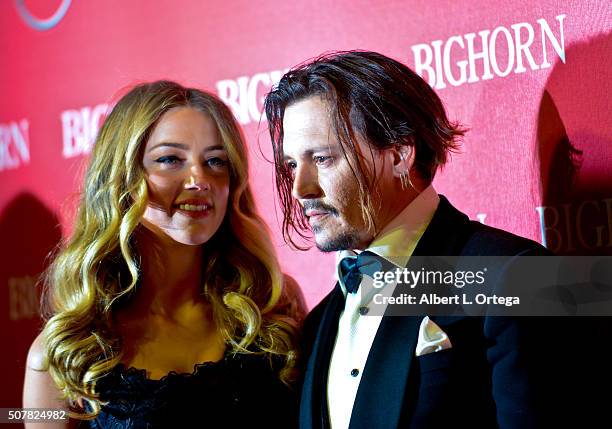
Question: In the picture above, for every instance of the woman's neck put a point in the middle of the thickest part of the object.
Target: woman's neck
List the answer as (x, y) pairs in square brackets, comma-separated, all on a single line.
[(169, 326), (171, 274)]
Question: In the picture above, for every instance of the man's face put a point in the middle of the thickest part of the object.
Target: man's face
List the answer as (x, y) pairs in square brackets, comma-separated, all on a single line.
[(324, 183)]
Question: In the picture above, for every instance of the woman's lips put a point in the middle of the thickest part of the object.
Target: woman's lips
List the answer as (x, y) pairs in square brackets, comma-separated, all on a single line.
[(194, 209), (195, 214)]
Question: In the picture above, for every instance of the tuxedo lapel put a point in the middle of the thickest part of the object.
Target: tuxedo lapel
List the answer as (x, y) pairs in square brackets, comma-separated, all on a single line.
[(380, 397), (313, 408), (446, 234), (382, 388)]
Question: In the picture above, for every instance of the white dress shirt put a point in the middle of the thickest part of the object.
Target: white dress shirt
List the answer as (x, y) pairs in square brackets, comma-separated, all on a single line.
[(358, 325)]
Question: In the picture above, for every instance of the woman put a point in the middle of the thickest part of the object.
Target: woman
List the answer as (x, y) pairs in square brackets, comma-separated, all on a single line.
[(167, 304)]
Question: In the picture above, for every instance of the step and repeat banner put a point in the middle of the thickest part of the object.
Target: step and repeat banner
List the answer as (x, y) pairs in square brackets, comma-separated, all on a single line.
[(530, 79)]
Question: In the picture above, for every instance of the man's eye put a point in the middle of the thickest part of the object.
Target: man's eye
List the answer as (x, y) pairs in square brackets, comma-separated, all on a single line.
[(168, 160), (216, 162), (323, 160)]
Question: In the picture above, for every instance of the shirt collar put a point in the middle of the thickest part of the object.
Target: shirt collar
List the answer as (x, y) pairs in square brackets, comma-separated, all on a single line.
[(398, 239)]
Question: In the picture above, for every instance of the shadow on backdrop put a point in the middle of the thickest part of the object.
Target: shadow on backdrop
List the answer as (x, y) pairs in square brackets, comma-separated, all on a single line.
[(574, 156), (29, 231)]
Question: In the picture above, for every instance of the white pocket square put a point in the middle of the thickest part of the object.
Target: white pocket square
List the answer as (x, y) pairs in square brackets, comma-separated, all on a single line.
[(431, 338)]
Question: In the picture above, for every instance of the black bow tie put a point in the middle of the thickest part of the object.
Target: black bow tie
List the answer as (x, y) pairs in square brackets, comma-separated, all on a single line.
[(352, 269)]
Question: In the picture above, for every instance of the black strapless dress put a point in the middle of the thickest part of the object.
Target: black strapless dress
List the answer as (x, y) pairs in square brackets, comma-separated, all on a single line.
[(237, 392)]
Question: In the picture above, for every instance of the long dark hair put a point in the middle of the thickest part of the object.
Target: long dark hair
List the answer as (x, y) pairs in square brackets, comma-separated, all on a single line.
[(370, 95)]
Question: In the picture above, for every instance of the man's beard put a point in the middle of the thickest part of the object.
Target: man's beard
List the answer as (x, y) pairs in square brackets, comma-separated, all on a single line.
[(342, 241)]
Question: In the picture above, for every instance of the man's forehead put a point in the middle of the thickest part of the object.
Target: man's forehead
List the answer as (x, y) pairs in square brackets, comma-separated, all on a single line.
[(309, 112), (307, 127)]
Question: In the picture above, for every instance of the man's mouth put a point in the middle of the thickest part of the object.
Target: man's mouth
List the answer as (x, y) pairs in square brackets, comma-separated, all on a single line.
[(316, 213), (316, 218)]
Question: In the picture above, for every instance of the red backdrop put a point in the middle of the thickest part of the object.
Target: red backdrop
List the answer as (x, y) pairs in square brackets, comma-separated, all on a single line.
[(531, 79)]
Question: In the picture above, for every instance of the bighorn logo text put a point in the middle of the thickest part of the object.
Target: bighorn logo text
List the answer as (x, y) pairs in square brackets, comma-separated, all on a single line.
[(80, 128), (501, 51), (14, 144), (245, 94)]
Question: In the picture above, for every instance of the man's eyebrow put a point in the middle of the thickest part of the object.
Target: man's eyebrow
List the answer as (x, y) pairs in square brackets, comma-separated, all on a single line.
[(308, 153), (322, 148)]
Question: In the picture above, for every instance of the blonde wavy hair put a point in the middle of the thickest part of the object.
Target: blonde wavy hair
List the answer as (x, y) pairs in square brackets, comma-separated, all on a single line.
[(98, 267)]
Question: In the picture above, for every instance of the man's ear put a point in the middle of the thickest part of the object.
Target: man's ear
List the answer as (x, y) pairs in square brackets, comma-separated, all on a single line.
[(403, 159)]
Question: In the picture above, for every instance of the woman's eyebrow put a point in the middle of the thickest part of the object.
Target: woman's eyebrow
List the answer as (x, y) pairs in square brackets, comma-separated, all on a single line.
[(176, 145)]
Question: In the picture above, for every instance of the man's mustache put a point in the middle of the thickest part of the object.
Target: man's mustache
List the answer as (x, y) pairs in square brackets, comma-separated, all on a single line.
[(318, 205)]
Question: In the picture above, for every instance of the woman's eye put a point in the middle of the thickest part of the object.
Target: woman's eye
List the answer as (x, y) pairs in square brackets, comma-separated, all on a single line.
[(168, 160), (291, 165), (216, 162)]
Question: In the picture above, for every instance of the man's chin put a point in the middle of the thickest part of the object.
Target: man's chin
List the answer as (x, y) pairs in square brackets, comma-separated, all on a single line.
[(336, 243)]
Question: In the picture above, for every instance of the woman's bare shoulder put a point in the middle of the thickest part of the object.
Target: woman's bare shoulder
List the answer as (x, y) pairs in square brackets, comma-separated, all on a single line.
[(37, 360)]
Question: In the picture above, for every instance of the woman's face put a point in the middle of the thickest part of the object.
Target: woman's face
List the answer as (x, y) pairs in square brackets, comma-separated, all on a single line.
[(187, 173)]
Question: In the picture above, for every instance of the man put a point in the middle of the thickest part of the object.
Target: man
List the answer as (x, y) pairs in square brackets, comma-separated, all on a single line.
[(357, 140)]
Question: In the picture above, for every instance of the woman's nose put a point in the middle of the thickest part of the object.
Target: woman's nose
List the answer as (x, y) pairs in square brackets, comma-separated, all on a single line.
[(197, 180)]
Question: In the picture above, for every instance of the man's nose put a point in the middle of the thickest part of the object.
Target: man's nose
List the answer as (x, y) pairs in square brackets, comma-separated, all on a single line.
[(306, 183)]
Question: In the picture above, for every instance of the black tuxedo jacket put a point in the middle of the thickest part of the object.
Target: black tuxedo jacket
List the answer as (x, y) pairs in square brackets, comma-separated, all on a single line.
[(491, 377)]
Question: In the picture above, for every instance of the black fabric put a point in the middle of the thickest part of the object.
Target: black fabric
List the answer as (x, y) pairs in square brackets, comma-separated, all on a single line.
[(497, 373), (352, 268), (237, 392), (318, 339)]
